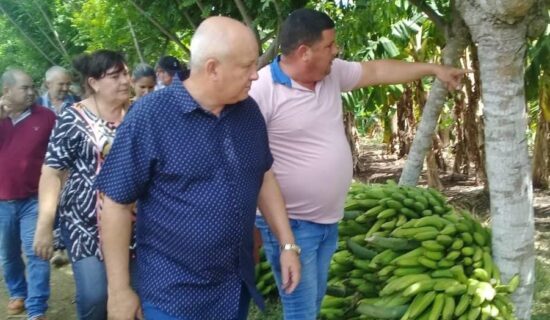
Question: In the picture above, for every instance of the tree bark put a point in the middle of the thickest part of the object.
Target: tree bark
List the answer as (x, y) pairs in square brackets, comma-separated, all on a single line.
[(501, 51), (473, 124), (457, 40)]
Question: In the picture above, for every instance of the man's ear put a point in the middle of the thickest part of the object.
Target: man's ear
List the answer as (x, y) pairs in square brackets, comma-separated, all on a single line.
[(303, 52), (5, 91), (211, 67)]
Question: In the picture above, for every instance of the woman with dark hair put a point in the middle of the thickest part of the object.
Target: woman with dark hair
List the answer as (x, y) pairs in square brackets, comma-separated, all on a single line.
[(168, 69), (143, 80), (78, 145)]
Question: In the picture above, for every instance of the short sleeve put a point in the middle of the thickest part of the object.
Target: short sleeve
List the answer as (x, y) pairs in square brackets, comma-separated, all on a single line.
[(64, 142), (348, 74), (259, 91), (127, 169)]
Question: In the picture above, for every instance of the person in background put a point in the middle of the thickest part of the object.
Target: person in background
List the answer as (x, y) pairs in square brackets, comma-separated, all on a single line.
[(25, 128), (57, 83), (143, 80), (80, 141), (195, 157), (168, 70), (299, 94)]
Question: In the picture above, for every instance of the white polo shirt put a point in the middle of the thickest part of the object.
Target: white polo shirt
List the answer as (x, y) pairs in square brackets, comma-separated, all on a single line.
[(312, 158)]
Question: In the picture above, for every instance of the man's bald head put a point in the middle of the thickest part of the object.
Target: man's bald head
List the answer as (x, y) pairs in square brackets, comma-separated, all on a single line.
[(219, 38)]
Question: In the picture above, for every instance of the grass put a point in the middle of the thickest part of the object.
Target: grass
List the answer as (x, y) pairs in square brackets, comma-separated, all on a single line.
[(541, 307), (273, 311)]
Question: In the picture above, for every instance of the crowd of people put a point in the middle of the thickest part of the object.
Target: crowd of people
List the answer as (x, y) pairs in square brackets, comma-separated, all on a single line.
[(155, 196)]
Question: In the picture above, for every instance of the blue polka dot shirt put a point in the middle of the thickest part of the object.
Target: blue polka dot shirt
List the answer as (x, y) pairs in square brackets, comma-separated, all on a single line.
[(196, 178)]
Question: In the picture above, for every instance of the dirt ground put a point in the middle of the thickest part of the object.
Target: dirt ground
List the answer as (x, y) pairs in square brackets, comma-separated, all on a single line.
[(378, 168)]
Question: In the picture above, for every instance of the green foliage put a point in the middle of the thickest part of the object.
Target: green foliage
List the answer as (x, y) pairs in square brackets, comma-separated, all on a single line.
[(16, 54)]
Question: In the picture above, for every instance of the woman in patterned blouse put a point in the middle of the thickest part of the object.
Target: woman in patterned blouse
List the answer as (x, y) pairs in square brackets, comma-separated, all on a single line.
[(79, 143)]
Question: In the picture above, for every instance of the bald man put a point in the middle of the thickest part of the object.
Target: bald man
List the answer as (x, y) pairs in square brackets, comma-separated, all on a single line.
[(24, 133), (196, 159), (57, 82)]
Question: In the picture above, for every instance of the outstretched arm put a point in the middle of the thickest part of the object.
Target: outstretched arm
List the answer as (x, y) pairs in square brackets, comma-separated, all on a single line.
[(379, 72)]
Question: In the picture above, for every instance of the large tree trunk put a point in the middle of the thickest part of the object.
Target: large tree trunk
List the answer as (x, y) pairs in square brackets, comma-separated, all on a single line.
[(500, 32), (457, 40)]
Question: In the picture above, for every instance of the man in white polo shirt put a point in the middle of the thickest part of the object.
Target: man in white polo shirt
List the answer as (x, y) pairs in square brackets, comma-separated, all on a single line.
[(299, 94)]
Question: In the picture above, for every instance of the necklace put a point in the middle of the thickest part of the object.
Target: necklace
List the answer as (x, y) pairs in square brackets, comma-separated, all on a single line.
[(97, 109), (99, 115)]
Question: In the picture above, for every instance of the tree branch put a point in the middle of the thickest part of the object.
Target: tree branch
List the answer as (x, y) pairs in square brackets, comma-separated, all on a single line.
[(456, 41), (273, 48), (244, 13), (26, 36), (52, 28), (185, 14), (201, 7), (153, 21), (432, 15), (44, 33), (246, 18), (269, 54), (134, 38)]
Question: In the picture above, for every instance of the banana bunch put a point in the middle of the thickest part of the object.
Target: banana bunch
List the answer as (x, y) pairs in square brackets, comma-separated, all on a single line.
[(265, 281), (406, 254)]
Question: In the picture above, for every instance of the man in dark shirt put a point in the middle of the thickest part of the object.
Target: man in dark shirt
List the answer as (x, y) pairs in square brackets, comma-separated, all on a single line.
[(24, 132), (196, 159)]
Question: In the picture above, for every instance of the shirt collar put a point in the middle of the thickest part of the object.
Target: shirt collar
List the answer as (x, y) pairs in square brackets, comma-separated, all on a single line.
[(46, 100), (278, 75), (190, 107), (22, 116)]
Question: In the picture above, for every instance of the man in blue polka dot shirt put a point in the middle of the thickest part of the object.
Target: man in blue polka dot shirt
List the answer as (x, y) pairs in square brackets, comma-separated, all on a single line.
[(196, 159)]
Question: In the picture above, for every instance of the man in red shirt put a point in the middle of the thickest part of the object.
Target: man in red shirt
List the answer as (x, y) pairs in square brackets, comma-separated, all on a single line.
[(24, 132)]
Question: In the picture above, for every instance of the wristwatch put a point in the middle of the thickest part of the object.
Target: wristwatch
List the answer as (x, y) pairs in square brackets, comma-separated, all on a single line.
[(291, 247)]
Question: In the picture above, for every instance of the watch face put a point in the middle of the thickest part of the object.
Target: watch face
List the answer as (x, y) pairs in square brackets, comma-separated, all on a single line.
[(291, 247)]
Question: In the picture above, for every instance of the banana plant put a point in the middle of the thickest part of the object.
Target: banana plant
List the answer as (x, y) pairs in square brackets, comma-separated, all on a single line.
[(537, 83)]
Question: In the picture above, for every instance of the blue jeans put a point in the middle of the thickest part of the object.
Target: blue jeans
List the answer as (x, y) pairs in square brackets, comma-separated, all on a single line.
[(90, 279), (151, 312), (318, 243), (17, 227)]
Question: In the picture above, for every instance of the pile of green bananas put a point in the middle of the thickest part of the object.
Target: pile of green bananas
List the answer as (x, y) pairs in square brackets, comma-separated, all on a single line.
[(265, 281), (405, 253)]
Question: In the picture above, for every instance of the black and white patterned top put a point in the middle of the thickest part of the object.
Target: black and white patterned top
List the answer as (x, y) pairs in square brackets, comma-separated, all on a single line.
[(79, 143)]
